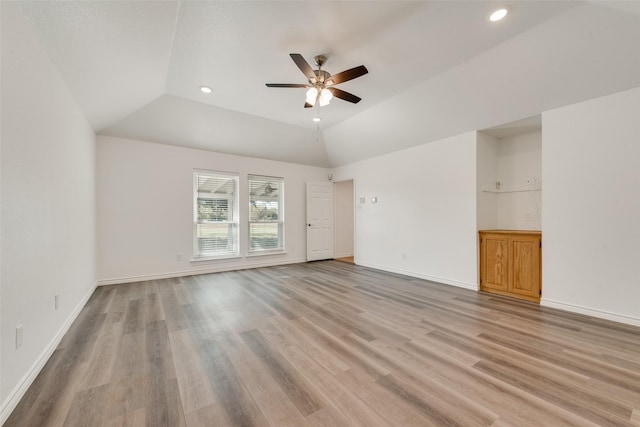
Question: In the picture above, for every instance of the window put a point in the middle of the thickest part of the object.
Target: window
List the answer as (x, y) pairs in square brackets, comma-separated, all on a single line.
[(215, 214), (266, 213)]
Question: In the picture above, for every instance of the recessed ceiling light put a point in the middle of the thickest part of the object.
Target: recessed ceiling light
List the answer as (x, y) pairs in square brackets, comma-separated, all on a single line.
[(316, 119), (498, 15), (205, 89)]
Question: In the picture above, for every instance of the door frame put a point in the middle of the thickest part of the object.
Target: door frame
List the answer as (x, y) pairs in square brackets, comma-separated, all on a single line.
[(335, 210)]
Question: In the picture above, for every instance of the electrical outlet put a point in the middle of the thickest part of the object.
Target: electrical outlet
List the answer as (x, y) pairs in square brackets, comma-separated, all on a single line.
[(18, 336), (179, 257), (56, 301)]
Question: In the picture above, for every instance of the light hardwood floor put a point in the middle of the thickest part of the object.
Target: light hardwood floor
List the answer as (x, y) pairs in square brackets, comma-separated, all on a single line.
[(331, 344)]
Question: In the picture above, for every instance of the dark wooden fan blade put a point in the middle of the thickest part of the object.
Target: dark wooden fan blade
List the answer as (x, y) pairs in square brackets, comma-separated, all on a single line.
[(304, 66), (349, 74), (307, 105), (285, 85), (344, 95)]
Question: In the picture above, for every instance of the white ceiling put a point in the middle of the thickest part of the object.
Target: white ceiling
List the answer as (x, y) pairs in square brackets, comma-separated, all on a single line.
[(528, 124), (135, 67)]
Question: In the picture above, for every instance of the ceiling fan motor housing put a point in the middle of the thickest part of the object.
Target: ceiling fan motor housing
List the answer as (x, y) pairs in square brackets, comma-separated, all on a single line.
[(322, 77)]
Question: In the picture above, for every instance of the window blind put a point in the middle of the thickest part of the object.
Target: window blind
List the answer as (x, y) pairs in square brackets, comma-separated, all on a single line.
[(266, 213), (215, 216)]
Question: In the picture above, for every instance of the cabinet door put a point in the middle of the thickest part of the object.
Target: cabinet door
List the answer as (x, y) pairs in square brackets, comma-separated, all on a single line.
[(524, 274), (494, 261)]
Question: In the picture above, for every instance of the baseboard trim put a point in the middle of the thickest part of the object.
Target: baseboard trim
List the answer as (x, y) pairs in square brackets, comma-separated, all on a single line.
[(344, 255), (195, 272), (443, 280), (601, 314), (25, 382)]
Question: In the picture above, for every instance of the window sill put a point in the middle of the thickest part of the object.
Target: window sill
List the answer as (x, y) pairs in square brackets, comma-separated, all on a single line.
[(267, 252), (214, 258)]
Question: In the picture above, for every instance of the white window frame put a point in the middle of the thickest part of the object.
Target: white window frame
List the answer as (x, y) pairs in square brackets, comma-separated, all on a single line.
[(279, 182), (233, 222)]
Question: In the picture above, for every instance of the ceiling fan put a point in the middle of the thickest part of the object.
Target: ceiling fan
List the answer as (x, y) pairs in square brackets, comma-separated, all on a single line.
[(321, 83)]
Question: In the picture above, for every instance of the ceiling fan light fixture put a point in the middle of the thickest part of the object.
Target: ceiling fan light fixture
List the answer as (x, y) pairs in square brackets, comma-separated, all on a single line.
[(325, 97), (498, 15), (316, 119), (312, 95), (320, 84), (205, 89)]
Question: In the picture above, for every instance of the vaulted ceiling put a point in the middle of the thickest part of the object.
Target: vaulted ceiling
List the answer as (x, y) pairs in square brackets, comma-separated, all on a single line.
[(436, 68)]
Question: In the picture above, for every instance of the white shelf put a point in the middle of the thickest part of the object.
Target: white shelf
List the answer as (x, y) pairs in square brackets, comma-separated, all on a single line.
[(513, 190)]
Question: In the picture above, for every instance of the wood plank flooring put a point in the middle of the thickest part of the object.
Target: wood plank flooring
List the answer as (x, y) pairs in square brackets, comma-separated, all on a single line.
[(331, 344)]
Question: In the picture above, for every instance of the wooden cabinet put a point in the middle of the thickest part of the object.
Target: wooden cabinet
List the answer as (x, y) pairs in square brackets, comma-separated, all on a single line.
[(511, 263)]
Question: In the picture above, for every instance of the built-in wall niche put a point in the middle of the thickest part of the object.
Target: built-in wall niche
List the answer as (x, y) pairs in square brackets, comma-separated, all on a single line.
[(510, 176)]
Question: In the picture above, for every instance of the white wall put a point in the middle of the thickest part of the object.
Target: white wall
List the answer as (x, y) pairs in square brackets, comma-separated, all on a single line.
[(344, 227), (48, 206), (426, 209), (591, 225), (519, 160), (487, 175), (145, 209)]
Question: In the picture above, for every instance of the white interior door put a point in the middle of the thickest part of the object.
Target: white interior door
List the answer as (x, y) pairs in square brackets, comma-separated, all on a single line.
[(319, 220)]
